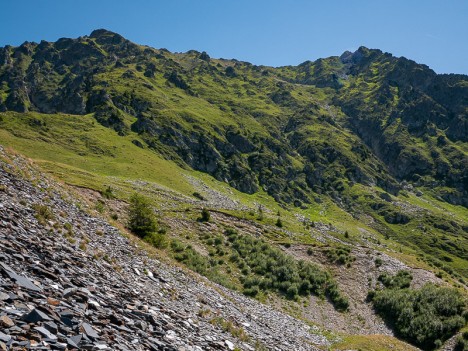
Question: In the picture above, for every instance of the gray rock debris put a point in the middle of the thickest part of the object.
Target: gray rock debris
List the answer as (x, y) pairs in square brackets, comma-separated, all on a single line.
[(56, 296)]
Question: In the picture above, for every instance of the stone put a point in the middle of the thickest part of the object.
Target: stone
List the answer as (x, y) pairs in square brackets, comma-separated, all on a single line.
[(50, 326), (4, 337), (89, 331), (36, 316), (53, 302), (6, 321), (22, 281), (46, 333), (74, 341), (229, 344), (67, 321), (170, 335), (4, 297), (69, 292), (94, 303)]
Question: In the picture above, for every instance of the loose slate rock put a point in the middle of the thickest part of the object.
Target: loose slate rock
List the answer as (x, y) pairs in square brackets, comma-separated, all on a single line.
[(24, 282), (4, 297), (46, 333), (69, 292), (36, 316), (60, 296), (4, 337), (6, 321), (74, 341), (88, 330)]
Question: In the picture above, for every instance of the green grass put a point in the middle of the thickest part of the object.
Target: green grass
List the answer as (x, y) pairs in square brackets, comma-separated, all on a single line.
[(81, 152), (371, 343)]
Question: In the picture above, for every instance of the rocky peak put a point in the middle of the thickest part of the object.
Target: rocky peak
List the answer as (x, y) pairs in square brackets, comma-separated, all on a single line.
[(104, 36), (346, 57)]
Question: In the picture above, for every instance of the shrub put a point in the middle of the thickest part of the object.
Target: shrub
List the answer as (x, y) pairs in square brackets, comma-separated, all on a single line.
[(461, 344), (277, 271), (198, 196), (157, 240), (108, 193), (341, 255), (424, 317), (399, 281), (43, 213), (205, 215), (177, 246), (230, 72), (253, 291), (192, 259), (292, 292), (279, 223), (100, 206), (204, 56), (260, 213), (141, 217)]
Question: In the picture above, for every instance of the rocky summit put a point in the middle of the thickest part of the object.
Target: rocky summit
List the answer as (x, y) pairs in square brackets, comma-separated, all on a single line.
[(152, 200)]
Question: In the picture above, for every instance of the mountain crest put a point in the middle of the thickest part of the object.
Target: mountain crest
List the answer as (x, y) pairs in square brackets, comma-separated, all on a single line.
[(125, 86), (104, 36)]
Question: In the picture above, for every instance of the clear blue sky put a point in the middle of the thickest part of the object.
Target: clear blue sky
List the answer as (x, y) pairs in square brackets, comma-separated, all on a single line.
[(269, 32)]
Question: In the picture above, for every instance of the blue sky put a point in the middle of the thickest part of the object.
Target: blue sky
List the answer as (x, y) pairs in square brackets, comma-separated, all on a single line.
[(271, 32)]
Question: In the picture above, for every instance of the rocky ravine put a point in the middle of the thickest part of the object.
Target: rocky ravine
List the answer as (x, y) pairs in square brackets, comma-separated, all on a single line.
[(83, 285)]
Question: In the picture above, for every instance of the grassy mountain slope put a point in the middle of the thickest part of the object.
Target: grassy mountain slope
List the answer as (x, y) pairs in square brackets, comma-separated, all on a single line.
[(365, 151)]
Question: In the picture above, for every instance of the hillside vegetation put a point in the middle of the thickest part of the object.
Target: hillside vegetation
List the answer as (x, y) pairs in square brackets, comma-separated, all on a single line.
[(273, 182)]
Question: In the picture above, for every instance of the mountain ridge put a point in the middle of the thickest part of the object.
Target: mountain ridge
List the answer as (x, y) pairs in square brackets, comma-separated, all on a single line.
[(324, 73), (290, 184)]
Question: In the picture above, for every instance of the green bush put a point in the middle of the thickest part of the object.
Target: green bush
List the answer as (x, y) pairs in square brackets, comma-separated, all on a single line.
[(158, 240), (279, 223), (292, 292), (141, 219), (340, 255), (100, 206), (108, 193), (205, 215), (273, 270), (399, 281), (424, 317), (198, 196), (191, 258), (461, 344)]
